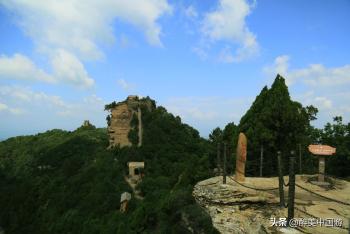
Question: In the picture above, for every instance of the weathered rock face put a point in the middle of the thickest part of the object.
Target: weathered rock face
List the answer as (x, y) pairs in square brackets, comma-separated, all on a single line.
[(121, 116), (236, 208), (120, 125)]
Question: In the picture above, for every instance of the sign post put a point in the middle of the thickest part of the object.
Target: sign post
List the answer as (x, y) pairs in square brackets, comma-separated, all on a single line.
[(321, 151)]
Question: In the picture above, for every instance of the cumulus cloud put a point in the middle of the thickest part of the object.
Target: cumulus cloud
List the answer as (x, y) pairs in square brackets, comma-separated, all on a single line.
[(312, 75), (329, 104), (323, 87), (24, 110), (80, 27), (25, 97), (20, 67), (323, 102), (228, 23), (69, 32), (68, 68), (6, 108), (201, 111), (126, 86)]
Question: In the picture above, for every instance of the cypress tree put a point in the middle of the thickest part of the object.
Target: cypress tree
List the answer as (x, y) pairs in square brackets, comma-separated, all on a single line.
[(277, 123)]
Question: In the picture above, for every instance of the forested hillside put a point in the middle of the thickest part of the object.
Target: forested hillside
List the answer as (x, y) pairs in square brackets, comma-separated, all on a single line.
[(67, 182), (274, 123)]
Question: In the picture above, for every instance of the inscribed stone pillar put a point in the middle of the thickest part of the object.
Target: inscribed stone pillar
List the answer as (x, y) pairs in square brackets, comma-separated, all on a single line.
[(241, 157)]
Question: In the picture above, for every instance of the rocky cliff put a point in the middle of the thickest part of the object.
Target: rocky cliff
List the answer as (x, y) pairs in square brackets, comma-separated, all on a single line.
[(124, 117), (237, 208)]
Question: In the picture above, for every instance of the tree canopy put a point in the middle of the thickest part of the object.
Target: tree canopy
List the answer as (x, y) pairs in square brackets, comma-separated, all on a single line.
[(68, 182), (275, 122)]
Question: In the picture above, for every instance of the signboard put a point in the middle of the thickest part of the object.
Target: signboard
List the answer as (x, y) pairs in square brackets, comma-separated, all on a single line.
[(322, 149)]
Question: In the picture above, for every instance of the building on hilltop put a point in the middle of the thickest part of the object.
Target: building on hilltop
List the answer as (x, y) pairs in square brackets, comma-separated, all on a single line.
[(125, 121), (87, 123), (136, 171)]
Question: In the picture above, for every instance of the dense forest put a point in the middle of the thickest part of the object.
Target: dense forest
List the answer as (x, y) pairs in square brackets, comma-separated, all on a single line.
[(68, 182), (275, 123)]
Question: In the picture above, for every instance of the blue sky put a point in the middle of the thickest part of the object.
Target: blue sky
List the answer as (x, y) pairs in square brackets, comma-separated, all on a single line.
[(61, 61)]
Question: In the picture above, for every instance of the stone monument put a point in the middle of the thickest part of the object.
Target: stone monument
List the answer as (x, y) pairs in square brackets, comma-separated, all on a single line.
[(241, 157)]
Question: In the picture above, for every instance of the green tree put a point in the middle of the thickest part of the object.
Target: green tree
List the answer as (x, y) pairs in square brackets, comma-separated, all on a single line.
[(277, 123), (337, 134)]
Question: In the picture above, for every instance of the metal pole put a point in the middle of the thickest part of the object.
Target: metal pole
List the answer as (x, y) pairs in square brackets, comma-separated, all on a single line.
[(224, 172), (218, 159), (291, 189), (321, 168), (300, 159), (261, 159), (280, 179)]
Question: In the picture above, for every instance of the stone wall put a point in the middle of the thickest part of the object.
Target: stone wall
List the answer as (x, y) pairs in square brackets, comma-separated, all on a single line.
[(120, 121)]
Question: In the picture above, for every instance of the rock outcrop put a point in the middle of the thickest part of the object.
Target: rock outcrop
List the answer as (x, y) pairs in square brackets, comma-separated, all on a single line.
[(238, 209), (126, 116)]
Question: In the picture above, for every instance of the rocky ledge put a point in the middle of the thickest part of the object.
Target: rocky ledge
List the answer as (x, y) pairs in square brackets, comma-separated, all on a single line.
[(239, 209)]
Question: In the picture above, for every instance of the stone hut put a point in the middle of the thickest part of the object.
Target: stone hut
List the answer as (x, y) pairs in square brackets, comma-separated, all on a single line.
[(136, 170)]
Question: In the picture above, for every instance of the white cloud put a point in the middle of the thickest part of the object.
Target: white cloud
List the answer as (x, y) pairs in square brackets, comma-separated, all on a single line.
[(227, 23), (20, 67), (201, 112), (316, 84), (191, 12), (36, 111), (329, 104), (313, 75), (6, 108), (3, 107), (323, 103), (125, 85), (80, 27), (26, 97), (68, 68), (70, 31)]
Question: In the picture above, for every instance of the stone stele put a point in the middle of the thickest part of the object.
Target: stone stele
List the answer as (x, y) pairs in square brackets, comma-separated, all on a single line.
[(241, 157)]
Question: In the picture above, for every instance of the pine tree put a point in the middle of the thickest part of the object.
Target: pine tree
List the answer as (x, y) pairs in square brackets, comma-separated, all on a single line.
[(277, 123)]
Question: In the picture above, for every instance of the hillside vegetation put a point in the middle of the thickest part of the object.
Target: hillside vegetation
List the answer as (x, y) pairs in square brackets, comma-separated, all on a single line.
[(67, 182)]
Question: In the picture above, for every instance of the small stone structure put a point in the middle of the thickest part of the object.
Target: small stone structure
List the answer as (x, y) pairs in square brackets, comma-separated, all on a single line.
[(87, 123), (124, 201), (119, 121), (241, 157), (136, 171)]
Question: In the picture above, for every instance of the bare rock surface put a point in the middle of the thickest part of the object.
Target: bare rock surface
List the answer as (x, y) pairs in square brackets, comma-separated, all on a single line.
[(237, 208)]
